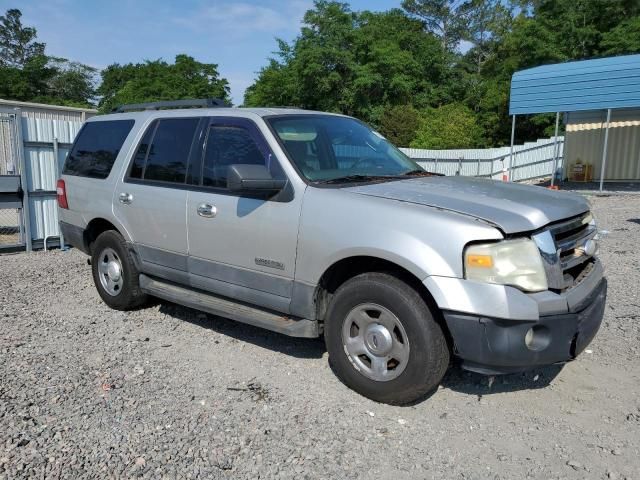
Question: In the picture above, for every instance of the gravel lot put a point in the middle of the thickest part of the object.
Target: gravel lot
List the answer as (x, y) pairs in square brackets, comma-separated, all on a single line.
[(169, 392)]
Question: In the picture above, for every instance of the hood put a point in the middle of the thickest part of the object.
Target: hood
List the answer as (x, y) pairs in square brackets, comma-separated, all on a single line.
[(510, 206)]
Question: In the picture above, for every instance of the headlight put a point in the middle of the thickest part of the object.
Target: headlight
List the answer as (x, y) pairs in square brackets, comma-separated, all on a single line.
[(510, 262)]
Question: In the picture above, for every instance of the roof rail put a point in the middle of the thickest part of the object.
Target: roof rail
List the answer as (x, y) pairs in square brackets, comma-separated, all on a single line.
[(189, 103), (290, 107)]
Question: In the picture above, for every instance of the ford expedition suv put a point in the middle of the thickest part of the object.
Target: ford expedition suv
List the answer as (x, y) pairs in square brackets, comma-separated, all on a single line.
[(312, 224)]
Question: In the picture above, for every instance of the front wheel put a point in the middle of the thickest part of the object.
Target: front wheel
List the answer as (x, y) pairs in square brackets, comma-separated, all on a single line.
[(383, 341)]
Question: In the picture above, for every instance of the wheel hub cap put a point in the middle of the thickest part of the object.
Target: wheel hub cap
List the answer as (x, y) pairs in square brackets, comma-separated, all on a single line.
[(378, 339), (375, 342), (113, 270), (110, 271)]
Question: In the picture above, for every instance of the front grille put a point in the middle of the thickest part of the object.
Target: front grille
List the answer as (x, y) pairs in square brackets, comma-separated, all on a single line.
[(562, 246)]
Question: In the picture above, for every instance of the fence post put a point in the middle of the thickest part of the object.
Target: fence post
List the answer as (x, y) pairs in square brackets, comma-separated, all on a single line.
[(435, 166), (459, 172), (478, 169), (58, 174), (22, 165)]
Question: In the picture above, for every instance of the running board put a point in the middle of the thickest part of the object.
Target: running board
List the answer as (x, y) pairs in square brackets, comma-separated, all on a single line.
[(228, 309)]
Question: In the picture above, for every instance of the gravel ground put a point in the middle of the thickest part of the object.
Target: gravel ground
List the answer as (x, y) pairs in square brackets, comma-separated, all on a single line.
[(169, 392)]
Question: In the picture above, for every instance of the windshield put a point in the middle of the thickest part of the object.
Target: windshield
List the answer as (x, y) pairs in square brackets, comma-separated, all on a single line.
[(328, 147)]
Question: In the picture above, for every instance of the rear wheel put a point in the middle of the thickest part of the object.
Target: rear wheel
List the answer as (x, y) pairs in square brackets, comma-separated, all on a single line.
[(114, 272), (383, 341)]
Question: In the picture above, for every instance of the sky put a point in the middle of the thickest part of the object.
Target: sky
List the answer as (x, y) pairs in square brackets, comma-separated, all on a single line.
[(239, 36)]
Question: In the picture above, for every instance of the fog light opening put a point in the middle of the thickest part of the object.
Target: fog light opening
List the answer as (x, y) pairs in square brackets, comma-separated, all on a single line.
[(537, 338)]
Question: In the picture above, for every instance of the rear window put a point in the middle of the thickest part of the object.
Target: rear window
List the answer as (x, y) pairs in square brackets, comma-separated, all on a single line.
[(96, 148)]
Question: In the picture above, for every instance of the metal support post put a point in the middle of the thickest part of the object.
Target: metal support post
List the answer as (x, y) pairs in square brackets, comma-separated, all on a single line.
[(555, 150), (604, 149), (513, 134)]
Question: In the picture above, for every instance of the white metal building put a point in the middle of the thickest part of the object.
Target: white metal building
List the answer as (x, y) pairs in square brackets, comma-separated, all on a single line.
[(584, 143), (34, 140)]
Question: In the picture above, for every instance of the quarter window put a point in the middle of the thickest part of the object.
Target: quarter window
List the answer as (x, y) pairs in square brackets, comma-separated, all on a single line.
[(228, 145), (96, 148), (163, 153)]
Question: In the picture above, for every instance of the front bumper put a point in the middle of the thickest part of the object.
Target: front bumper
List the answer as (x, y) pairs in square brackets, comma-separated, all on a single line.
[(494, 346)]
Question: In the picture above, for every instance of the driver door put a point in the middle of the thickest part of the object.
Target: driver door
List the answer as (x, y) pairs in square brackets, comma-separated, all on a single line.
[(241, 246)]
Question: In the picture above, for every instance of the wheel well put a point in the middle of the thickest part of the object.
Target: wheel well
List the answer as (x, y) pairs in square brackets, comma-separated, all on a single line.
[(94, 229), (348, 268)]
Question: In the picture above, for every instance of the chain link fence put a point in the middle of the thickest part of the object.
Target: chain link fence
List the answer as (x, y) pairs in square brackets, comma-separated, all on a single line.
[(11, 234)]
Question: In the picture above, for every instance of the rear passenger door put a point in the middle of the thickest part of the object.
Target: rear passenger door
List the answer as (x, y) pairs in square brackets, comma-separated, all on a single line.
[(151, 200), (241, 246)]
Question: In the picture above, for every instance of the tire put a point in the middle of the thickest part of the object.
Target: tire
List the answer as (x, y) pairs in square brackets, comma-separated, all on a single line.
[(418, 357), (117, 285)]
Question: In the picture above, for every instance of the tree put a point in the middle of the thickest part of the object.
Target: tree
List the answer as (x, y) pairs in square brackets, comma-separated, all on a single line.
[(441, 17), (623, 39), (71, 83), (399, 124), (581, 24), (28, 74), (383, 66), (485, 23), (354, 63), (449, 126), (159, 80), (17, 43)]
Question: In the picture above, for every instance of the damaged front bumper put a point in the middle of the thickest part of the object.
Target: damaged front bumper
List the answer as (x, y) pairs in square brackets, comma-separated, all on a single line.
[(495, 346), (499, 329)]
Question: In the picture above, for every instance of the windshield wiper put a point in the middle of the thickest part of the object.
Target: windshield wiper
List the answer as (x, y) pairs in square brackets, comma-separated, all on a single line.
[(419, 172), (353, 178)]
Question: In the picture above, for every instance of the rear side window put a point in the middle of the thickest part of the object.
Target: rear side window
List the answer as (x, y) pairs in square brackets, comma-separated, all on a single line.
[(163, 153), (96, 148)]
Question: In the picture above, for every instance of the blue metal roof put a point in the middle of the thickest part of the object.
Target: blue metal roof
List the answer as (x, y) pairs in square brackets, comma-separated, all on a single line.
[(602, 83)]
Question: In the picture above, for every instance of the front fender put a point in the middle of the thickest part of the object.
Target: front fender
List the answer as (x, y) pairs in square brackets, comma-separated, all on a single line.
[(337, 224)]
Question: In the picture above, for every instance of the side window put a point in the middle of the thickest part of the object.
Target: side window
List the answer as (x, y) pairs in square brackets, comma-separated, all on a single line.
[(141, 154), (96, 148), (228, 145), (163, 153)]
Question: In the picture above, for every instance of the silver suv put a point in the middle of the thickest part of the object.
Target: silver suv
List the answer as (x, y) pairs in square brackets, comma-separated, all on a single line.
[(311, 224)]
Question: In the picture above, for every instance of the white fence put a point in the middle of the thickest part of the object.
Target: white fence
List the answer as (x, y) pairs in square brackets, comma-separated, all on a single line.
[(530, 161)]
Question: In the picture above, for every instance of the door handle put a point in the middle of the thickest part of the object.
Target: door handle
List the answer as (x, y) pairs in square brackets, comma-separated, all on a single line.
[(207, 210), (125, 198)]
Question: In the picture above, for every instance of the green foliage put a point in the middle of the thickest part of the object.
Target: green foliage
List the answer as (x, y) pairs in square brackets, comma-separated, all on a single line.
[(579, 25), (449, 126), (624, 38), (399, 124), (442, 18), (354, 63), (377, 66), (17, 43), (28, 74), (159, 80)]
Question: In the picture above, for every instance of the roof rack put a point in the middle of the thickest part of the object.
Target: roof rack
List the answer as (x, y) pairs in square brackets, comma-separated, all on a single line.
[(189, 103)]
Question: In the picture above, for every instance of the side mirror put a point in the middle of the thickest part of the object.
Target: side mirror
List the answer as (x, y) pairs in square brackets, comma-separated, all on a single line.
[(252, 178)]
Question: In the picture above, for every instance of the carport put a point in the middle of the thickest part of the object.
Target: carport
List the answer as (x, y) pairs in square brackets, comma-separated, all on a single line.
[(593, 88)]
